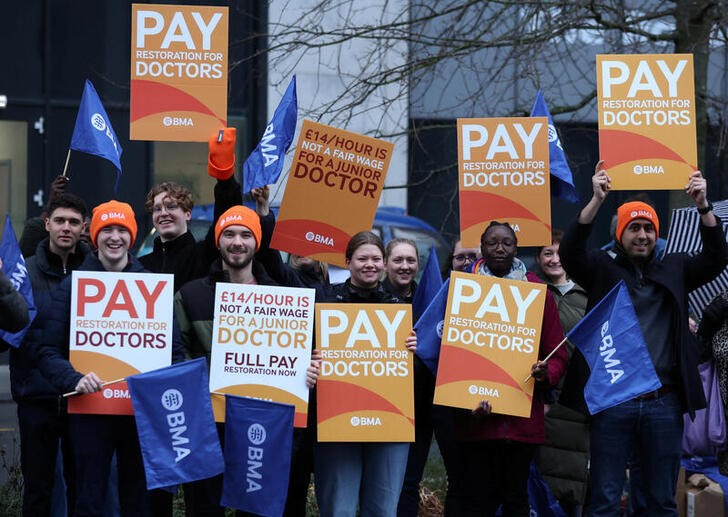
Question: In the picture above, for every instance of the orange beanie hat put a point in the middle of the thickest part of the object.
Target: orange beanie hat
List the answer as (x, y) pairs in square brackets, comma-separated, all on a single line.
[(628, 212), (113, 212), (239, 215)]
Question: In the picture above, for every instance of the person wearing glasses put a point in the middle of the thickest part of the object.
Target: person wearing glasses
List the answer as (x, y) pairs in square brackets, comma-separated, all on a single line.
[(175, 250), (461, 259), (497, 450)]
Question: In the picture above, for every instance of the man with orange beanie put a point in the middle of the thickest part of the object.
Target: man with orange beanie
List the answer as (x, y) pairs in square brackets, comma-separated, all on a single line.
[(651, 425), (97, 437), (238, 236), (170, 205)]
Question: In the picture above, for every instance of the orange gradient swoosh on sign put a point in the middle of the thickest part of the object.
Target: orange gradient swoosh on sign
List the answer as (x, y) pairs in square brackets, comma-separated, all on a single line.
[(151, 97), (619, 147), (471, 366), (349, 398), (502, 206), (106, 367), (298, 230)]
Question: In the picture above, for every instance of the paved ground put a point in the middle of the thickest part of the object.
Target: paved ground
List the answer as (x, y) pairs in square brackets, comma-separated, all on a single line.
[(8, 425)]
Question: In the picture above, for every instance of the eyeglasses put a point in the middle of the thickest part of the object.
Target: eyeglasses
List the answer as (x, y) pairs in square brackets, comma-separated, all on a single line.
[(506, 244), (169, 207), (472, 257)]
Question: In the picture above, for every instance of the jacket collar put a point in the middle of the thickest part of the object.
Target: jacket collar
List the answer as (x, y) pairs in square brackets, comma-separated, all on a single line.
[(186, 239)]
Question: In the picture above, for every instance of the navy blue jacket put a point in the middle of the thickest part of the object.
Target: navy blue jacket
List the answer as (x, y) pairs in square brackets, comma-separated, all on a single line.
[(46, 272), (599, 271), (53, 347)]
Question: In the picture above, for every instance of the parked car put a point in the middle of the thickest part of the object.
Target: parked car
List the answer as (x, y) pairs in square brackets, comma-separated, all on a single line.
[(389, 223)]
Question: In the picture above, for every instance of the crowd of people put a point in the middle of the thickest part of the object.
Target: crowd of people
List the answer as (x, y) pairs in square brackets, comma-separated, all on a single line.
[(487, 456)]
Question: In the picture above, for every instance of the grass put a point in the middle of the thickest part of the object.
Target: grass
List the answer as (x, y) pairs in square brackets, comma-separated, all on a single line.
[(432, 490)]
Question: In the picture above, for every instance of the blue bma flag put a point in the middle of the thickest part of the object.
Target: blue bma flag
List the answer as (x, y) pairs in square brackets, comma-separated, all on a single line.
[(264, 165), (430, 283), (429, 329), (14, 269), (258, 441), (93, 133), (611, 341), (175, 424), (562, 181)]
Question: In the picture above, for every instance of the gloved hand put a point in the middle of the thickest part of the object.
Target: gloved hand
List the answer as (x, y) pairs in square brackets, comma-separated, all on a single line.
[(221, 154)]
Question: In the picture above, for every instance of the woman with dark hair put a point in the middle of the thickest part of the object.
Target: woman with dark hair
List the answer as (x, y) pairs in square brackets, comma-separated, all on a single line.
[(367, 475), (498, 449), (460, 259)]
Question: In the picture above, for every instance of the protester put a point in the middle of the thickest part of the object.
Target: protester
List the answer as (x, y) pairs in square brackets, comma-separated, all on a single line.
[(34, 229), (498, 449), (367, 475), (175, 250), (713, 330), (95, 438), (460, 259), (564, 459), (238, 237), (13, 308), (651, 424), (42, 420), (401, 264)]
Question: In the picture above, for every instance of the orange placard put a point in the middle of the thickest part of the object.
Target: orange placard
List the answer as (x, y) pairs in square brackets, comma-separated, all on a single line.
[(179, 61), (365, 392), (121, 325), (647, 120), (490, 340), (503, 175), (332, 192)]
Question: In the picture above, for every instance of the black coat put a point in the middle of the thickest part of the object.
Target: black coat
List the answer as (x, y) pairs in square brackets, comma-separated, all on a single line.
[(46, 272), (678, 273)]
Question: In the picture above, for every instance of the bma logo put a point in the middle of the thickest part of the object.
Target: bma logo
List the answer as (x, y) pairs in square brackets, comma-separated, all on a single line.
[(648, 169), (172, 400), (320, 239), (554, 136), (98, 121), (116, 394), (483, 390), (365, 421), (634, 214), (177, 121), (254, 477), (115, 215), (229, 218), (440, 326)]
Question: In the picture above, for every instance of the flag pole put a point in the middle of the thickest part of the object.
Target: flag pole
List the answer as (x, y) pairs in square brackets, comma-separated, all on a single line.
[(548, 356), (74, 392), (65, 167)]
